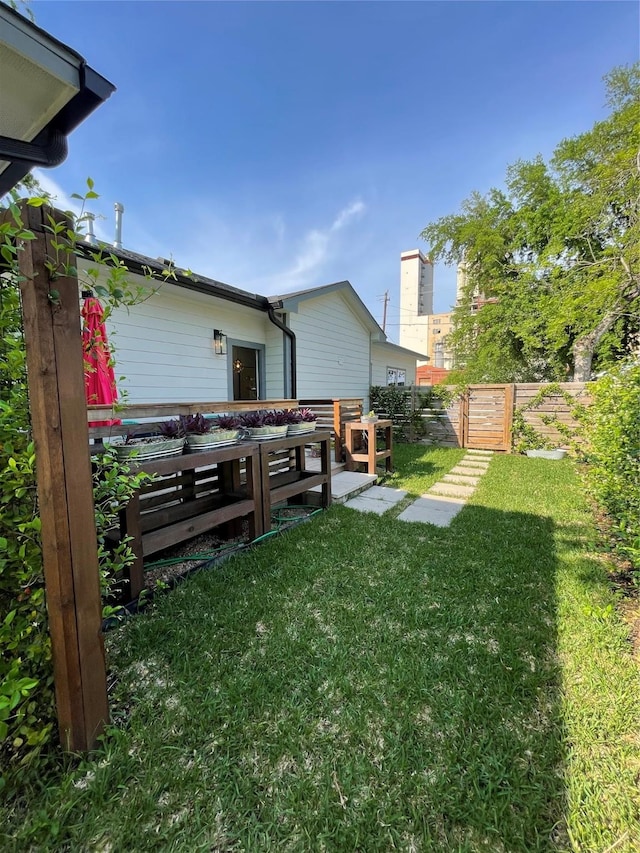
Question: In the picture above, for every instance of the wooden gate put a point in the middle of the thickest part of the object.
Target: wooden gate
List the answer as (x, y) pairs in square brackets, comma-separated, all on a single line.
[(486, 417)]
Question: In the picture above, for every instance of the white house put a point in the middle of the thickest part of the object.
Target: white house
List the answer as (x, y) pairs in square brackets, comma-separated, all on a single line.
[(195, 339)]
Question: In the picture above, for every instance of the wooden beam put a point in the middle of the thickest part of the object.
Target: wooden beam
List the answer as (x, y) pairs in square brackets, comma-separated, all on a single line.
[(65, 493), (509, 405)]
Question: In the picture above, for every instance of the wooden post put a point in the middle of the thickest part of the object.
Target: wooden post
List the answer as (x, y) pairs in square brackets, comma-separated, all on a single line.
[(463, 426), (337, 430), (130, 526), (509, 405), (65, 494)]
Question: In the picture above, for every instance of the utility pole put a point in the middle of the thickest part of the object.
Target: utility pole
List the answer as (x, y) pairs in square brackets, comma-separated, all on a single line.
[(384, 313)]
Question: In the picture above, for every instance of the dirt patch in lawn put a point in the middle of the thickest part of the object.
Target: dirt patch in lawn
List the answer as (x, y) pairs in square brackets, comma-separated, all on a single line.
[(208, 546)]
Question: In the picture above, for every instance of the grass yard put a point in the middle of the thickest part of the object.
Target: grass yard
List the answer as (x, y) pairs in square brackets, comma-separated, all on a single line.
[(363, 684)]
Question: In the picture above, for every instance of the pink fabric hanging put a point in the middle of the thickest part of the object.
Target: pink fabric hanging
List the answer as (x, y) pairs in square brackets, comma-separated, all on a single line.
[(99, 378)]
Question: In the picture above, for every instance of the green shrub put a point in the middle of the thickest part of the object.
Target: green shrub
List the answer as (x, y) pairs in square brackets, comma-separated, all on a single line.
[(26, 680), (613, 454), (394, 402)]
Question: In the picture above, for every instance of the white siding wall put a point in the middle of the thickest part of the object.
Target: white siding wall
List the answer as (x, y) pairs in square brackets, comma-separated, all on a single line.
[(164, 347), (383, 357), (333, 348)]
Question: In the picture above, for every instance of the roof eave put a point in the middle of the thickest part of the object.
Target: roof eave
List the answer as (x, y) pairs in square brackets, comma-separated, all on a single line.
[(143, 266), (94, 89)]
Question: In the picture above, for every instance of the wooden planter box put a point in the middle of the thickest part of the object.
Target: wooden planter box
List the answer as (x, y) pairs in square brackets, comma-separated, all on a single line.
[(194, 494), (283, 474)]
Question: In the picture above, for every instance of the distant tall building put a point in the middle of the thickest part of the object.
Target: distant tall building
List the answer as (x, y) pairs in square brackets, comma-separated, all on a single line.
[(440, 325), (416, 300), (420, 329), (476, 299), (461, 282)]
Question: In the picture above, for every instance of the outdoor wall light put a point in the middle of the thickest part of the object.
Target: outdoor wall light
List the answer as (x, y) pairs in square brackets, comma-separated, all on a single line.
[(219, 342)]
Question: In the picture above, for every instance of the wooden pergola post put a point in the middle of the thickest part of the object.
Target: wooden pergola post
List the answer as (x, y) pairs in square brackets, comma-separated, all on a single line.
[(59, 421)]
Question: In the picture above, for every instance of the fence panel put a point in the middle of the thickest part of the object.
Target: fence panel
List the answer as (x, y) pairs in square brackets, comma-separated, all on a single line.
[(483, 418), (487, 414), (554, 407)]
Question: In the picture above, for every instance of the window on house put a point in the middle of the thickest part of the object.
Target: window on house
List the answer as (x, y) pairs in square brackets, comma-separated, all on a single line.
[(396, 376)]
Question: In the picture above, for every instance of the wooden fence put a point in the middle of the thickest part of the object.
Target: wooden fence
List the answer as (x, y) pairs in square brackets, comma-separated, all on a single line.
[(482, 418), (333, 414)]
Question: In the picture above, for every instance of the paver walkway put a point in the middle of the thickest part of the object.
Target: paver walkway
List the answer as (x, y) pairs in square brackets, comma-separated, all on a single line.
[(445, 499), (441, 503)]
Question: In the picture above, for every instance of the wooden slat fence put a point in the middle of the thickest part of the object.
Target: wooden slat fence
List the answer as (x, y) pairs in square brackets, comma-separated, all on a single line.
[(554, 407), (483, 417), (487, 414), (333, 414)]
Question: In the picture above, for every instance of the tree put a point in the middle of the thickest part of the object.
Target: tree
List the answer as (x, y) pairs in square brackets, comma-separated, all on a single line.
[(553, 261)]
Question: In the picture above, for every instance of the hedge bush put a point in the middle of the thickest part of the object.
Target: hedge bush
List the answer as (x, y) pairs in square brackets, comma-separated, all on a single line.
[(613, 453)]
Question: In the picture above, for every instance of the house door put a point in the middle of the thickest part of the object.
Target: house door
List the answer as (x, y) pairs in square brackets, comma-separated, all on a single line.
[(246, 379)]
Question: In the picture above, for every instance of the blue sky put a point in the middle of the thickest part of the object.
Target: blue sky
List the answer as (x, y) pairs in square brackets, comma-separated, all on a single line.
[(278, 146)]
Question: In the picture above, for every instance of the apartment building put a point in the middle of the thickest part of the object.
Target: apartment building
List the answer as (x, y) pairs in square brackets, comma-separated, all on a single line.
[(420, 329)]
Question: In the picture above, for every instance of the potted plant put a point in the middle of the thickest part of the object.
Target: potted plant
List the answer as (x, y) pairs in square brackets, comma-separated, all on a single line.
[(263, 424), (226, 429), (170, 442), (301, 421), (543, 453), (370, 418), (205, 433)]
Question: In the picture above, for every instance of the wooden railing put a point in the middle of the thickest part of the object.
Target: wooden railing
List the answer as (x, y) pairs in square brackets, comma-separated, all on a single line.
[(332, 414), (152, 414)]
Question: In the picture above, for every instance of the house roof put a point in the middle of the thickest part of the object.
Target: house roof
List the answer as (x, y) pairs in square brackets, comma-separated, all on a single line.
[(401, 350), (55, 90), (143, 264), (346, 289)]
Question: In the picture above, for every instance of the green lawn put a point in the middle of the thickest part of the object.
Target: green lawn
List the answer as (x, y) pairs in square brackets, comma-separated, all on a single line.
[(362, 684)]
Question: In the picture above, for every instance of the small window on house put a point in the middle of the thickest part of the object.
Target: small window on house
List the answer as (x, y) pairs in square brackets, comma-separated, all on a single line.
[(396, 376)]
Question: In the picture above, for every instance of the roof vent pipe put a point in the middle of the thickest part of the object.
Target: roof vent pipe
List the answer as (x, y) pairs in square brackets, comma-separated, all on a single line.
[(119, 208), (90, 237)]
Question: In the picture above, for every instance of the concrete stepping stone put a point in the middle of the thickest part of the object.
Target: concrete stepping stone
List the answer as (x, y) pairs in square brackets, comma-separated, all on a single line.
[(475, 461), (386, 494), (432, 510), (463, 479), (363, 504), (454, 490), (461, 469), (480, 452), (376, 499), (347, 484)]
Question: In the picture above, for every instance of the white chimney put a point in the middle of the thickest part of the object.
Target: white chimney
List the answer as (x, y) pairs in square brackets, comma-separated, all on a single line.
[(90, 237)]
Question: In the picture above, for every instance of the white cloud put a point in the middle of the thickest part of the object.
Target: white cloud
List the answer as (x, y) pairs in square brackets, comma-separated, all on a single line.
[(313, 253), (348, 213)]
